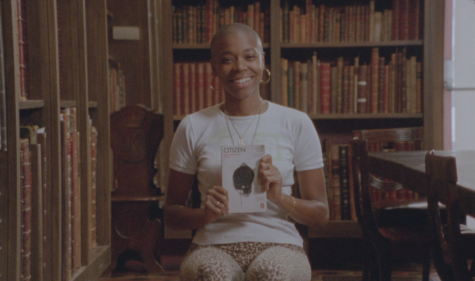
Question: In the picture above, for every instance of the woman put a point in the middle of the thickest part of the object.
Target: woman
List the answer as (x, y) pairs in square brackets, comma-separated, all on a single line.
[(250, 246)]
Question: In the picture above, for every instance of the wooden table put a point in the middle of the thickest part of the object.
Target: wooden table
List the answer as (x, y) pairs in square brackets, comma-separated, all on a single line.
[(408, 168)]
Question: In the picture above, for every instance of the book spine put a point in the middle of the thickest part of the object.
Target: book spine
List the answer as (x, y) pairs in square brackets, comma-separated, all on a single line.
[(344, 184), (362, 83), (290, 91), (325, 98), (336, 211), (339, 85), (303, 87), (351, 89), (374, 79), (296, 84), (345, 90), (334, 89), (26, 179), (177, 83), (23, 54), (284, 64), (381, 85)]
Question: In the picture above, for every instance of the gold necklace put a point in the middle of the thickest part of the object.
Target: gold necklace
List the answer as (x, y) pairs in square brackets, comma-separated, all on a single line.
[(241, 142)]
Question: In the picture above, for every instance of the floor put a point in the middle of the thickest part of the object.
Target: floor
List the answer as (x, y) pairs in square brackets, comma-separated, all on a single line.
[(410, 272)]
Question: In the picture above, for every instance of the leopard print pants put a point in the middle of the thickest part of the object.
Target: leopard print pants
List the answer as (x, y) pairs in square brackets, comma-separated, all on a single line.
[(250, 261)]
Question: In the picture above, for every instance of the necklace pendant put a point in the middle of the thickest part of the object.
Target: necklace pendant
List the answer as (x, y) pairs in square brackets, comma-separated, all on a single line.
[(240, 142)]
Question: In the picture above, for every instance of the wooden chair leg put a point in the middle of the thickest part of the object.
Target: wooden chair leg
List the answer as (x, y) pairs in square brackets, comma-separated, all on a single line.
[(426, 270)]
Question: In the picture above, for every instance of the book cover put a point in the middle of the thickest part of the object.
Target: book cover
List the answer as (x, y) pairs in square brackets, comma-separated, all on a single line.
[(240, 165)]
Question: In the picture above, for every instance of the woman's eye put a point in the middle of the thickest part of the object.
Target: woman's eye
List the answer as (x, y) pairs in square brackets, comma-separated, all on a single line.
[(226, 60), (251, 57)]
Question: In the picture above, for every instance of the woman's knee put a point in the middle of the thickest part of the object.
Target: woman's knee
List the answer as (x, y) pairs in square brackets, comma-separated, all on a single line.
[(210, 264), (279, 263)]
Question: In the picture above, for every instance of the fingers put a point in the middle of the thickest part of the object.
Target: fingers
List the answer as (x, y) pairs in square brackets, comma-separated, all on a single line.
[(217, 200)]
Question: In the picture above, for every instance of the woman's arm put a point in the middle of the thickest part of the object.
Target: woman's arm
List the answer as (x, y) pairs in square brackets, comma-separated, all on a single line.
[(312, 208), (178, 216)]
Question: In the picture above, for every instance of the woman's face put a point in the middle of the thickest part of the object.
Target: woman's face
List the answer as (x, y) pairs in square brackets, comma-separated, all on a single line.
[(239, 64)]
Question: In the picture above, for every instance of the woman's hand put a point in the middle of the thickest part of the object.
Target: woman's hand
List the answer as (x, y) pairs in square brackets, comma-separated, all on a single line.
[(217, 203), (270, 179)]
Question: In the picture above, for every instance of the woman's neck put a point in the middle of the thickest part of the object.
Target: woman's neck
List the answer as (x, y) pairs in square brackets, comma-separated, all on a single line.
[(244, 107)]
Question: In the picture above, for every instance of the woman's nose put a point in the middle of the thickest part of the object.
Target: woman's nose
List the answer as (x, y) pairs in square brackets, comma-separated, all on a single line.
[(240, 64)]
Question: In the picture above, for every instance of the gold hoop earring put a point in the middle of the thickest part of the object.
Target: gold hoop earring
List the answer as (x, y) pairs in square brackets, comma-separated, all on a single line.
[(268, 72), (210, 84)]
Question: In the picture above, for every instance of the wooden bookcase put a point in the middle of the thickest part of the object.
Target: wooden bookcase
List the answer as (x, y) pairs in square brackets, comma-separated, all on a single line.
[(428, 48), (67, 67)]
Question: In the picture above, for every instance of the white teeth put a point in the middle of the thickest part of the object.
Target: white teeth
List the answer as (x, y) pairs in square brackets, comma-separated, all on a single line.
[(243, 80)]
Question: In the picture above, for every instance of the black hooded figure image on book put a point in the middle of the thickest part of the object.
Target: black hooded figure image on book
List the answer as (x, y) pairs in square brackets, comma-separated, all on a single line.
[(242, 178)]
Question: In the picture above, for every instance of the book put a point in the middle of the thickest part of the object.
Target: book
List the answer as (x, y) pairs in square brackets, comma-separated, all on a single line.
[(303, 103), (325, 94), (93, 187), (284, 65), (344, 182), (42, 138), (3, 105), (374, 80), (239, 166), (66, 192), (362, 84), (26, 180), (23, 50), (36, 163)]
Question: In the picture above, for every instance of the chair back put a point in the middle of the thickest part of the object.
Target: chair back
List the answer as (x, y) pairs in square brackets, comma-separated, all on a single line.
[(136, 133), (410, 138), (441, 173), (359, 171)]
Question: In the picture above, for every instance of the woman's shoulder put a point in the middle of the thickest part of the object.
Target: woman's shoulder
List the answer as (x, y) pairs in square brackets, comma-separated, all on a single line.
[(285, 112), (203, 115)]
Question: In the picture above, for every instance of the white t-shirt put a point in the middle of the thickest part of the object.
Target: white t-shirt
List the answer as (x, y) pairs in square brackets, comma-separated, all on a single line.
[(288, 135)]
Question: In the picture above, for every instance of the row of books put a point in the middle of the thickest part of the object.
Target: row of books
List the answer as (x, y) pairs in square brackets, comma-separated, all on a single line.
[(34, 163), (198, 24), (195, 88), (342, 87), (340, 189), (350, 23), (116, 86)]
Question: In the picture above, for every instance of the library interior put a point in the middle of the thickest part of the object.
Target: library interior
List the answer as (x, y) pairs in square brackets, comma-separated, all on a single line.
[(93, 93)]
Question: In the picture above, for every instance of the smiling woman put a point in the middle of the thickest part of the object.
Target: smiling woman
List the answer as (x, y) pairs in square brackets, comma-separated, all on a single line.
[(245, 246)]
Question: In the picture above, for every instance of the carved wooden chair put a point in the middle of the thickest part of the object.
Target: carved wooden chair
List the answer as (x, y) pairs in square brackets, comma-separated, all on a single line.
[(452, 243), (136, 133), (397, 206), (383, 244)]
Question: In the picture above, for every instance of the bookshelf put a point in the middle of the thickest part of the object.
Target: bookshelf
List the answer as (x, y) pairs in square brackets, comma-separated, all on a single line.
[(427, 48), (61, 46)]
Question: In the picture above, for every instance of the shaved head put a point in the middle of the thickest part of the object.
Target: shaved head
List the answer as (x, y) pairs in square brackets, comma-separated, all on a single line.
[(234, 29)]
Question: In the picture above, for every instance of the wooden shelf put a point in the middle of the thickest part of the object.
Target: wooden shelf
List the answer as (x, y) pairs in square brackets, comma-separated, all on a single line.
[(201, 46), (92, 104), (352, 116), (31, 104), (351, 44), (67, 103), (65, 70), (367, 116)]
